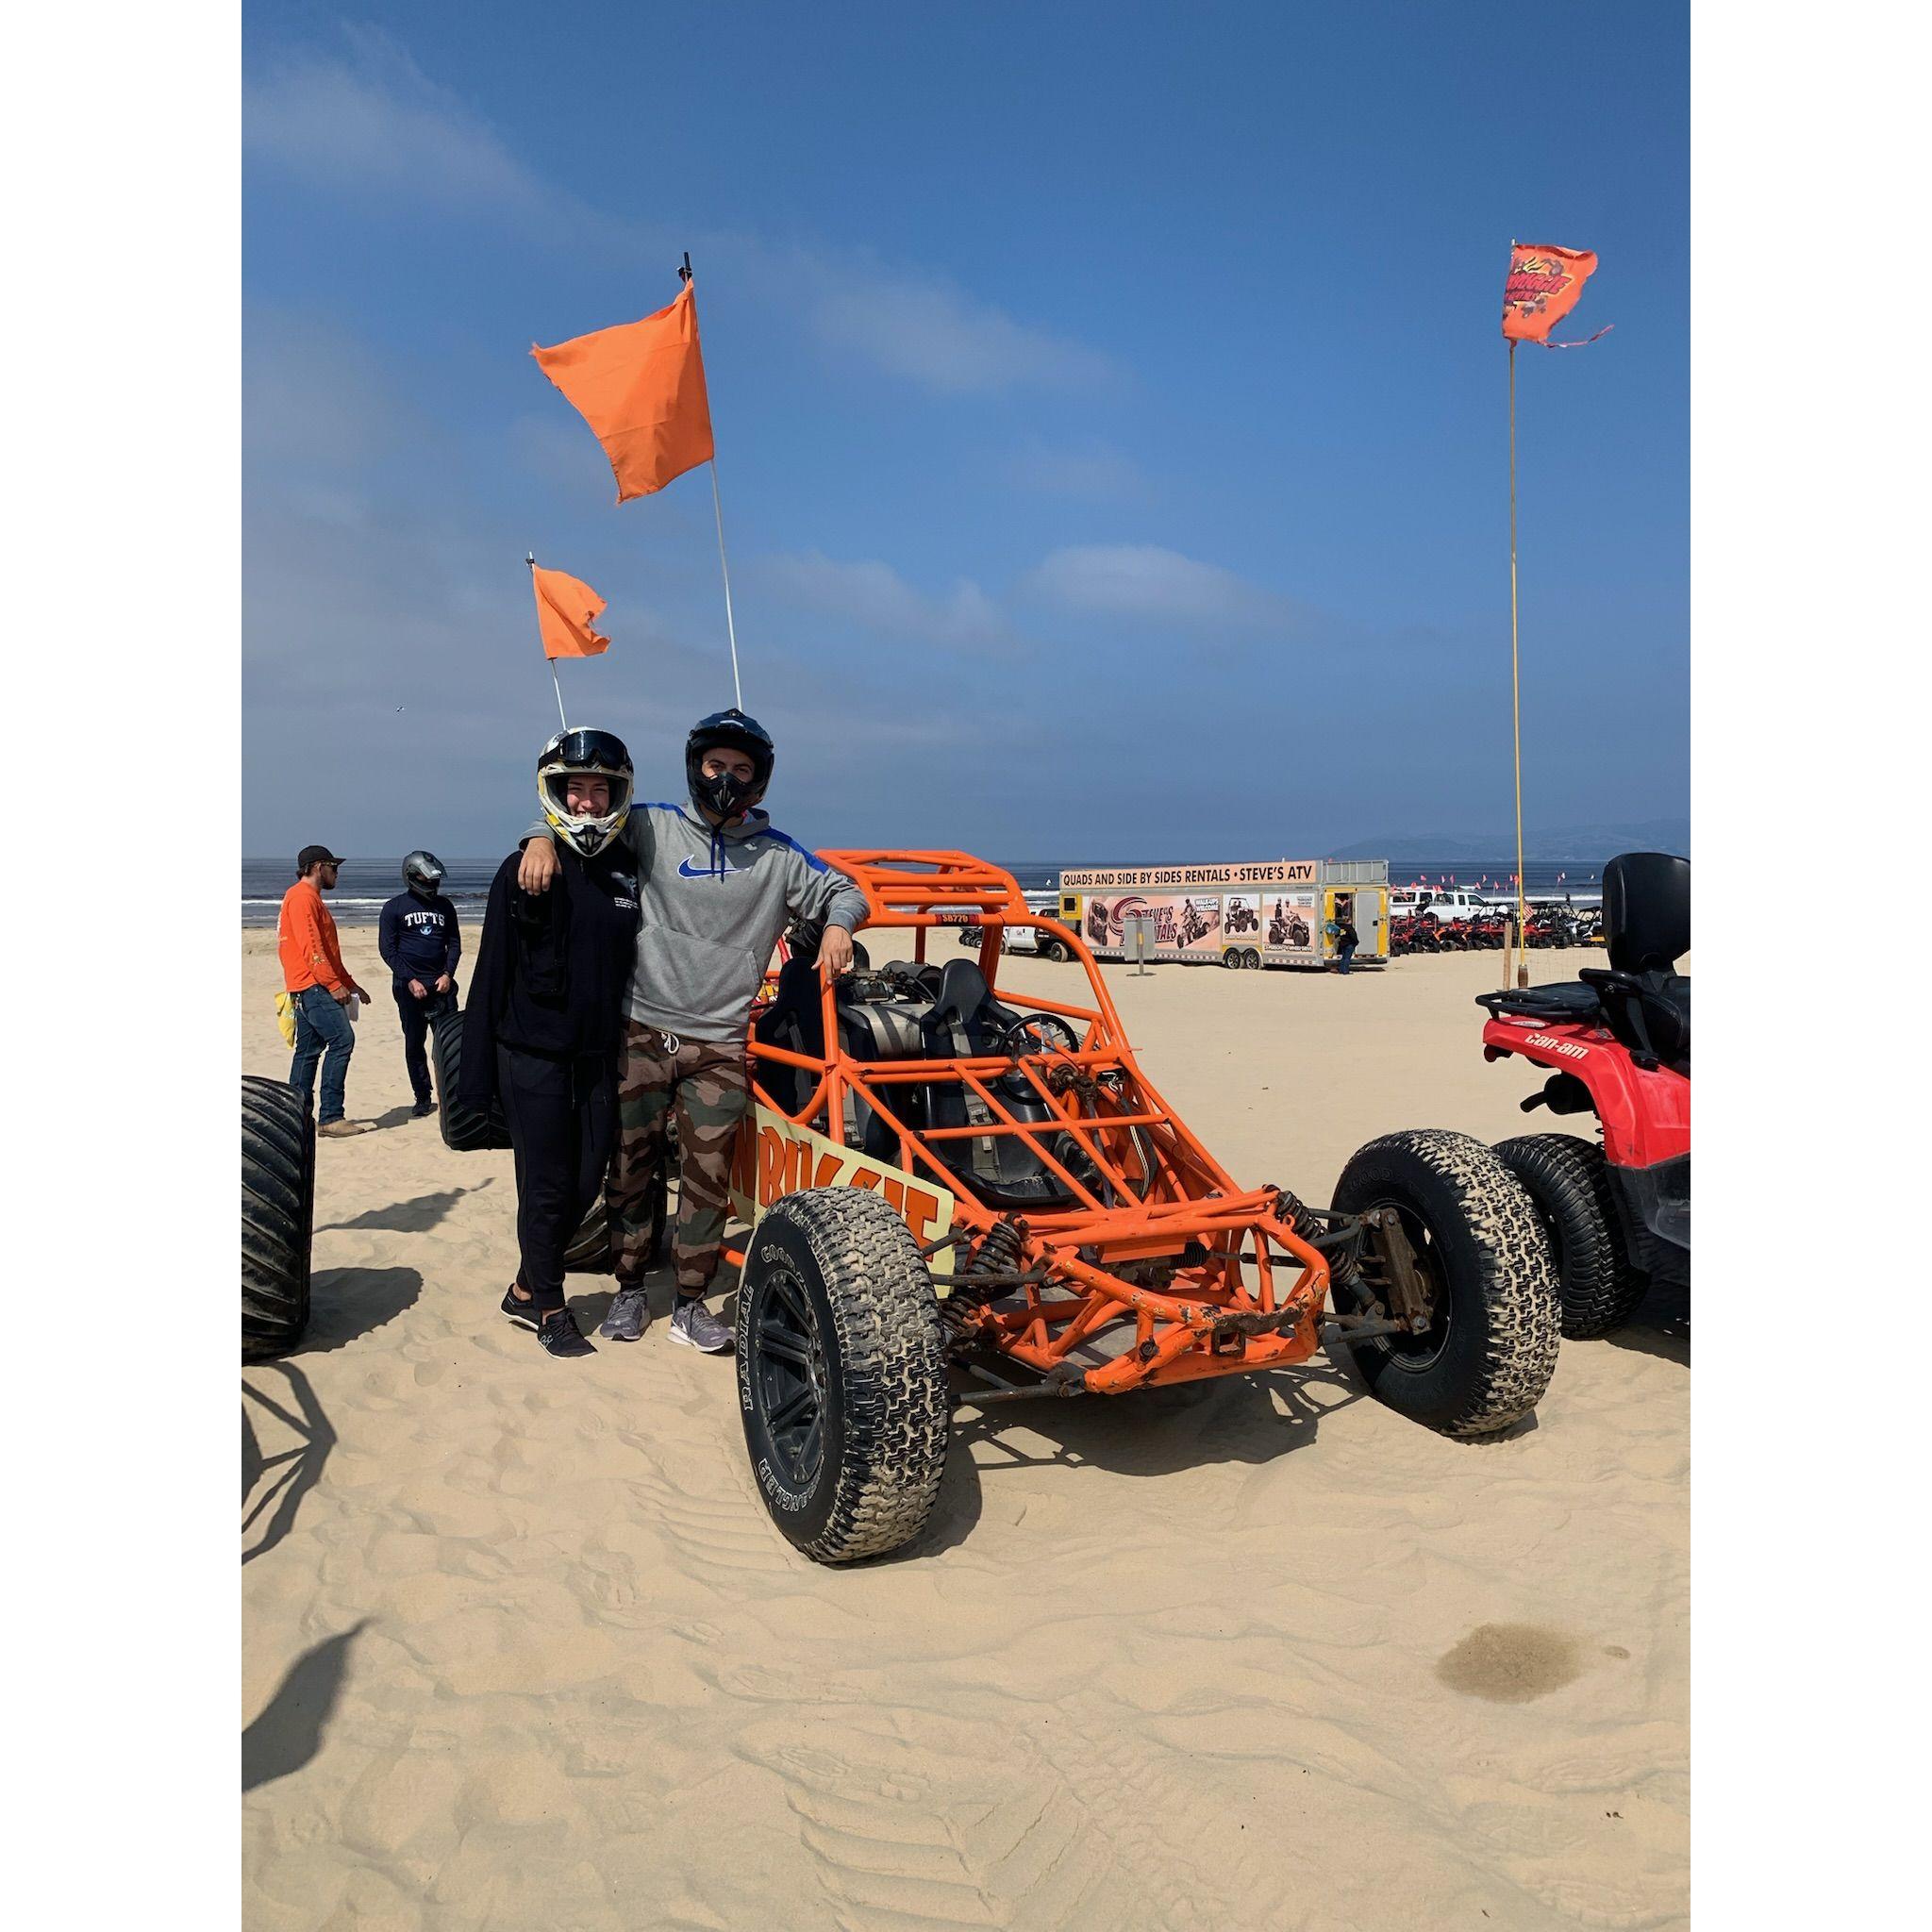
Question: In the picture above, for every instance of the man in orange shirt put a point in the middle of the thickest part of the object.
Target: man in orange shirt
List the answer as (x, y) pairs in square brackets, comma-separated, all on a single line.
[(313, 972)]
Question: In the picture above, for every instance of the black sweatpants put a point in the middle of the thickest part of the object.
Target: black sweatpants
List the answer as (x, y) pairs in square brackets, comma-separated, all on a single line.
[(416, 1015), (563, 1117)]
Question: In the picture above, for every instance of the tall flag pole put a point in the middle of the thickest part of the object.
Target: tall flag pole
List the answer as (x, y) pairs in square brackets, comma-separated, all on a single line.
[(684, 276), (1542, 287), (640, 387)]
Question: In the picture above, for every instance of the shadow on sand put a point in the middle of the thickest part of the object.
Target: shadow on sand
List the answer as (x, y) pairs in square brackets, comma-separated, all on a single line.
[(347, 1302), (1247, 1419), (1661, 1326), (273, 1485), (288, 1731), (417, 1215)]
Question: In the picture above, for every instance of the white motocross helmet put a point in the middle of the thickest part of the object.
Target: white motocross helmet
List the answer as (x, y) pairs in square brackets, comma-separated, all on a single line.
[(580, 751)]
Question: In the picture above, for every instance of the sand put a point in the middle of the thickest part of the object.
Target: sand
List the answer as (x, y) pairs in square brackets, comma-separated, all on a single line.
[(523, 1650)]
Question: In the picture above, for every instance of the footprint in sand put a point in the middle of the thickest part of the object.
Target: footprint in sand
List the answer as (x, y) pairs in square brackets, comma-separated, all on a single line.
[(1511, 1664)]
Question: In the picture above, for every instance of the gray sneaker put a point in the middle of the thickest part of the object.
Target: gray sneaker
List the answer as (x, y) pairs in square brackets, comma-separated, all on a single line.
[(695, 1324), (628, 1317)]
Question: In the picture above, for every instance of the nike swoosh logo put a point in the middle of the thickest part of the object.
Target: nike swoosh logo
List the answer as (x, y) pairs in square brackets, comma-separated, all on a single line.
[(685, 869)]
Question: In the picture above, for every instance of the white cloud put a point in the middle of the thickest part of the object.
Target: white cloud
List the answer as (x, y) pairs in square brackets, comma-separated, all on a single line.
[(1143, 580), (923, 328), (875, 596), (373, 123)]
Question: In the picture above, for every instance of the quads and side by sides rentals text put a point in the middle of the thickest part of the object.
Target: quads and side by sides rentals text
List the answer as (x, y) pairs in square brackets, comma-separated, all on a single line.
[(1276, 912)]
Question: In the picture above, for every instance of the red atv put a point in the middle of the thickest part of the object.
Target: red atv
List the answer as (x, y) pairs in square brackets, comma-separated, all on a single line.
[(1617, 1042)]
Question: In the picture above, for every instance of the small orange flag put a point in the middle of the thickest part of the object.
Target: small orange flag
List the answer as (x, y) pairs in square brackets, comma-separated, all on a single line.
[(566, 608), (1543, 285), (640, 387)]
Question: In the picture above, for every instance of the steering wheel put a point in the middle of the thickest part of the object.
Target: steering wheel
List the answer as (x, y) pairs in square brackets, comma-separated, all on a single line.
[(1032, 1033)]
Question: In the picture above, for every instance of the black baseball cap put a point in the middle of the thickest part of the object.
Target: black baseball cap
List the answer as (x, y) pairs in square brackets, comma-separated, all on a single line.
[(314, 855)]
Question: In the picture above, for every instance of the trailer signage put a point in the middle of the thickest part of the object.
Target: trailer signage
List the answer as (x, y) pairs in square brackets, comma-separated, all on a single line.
[(1277, 872)]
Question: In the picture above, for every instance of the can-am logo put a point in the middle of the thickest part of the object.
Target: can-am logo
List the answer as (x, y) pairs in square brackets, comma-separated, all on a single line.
[(1568, 1048)]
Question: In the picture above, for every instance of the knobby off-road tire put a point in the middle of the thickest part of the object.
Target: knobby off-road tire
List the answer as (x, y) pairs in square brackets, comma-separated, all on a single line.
[(842, 1375), (464, 1129), (1569, 1181), (1490, 1354), (277, 1215)]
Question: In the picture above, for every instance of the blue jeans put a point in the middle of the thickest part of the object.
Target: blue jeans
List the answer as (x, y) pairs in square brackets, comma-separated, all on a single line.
[(322, 1034), (1345, 952)]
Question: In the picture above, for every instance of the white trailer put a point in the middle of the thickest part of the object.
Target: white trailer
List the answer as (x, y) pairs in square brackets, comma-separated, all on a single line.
[(1274, 912)]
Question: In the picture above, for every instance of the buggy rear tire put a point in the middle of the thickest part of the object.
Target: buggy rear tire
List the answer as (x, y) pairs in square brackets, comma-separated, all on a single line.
[(1493, 1349), (278, 1214), (1569, 1181), (842, 1375), (464, 1129), (588, 1252)]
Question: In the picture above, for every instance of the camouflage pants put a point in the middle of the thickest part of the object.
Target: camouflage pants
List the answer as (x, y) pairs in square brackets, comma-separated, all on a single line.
[(710, 1087)]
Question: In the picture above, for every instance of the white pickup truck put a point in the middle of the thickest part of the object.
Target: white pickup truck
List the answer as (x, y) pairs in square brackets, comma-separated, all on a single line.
[(1439, 902)]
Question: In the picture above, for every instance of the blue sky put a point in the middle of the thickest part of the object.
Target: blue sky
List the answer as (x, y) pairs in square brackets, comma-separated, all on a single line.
[(1110, 407)]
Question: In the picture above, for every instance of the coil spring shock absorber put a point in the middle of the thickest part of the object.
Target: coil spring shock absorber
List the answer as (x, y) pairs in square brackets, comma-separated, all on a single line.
[(985, 1273)]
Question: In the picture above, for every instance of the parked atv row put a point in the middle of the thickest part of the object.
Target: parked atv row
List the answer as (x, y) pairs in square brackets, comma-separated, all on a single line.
[(1547, 929)]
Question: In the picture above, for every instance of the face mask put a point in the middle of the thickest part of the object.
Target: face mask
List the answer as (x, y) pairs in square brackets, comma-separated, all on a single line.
[(726, 794)]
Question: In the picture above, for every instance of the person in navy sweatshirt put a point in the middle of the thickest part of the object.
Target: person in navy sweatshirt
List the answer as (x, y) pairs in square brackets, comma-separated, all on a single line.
[(420, 944)]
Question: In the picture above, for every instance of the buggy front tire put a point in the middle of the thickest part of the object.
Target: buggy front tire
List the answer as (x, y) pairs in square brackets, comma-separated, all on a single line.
[(464, 1129), (1569, 1181), (1491, 1348), (278, 1214), (842, 1375)]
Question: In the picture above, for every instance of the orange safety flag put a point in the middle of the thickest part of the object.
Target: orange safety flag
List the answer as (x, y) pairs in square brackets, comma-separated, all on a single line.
[(640, 387), (566, 608), (1543, 285)]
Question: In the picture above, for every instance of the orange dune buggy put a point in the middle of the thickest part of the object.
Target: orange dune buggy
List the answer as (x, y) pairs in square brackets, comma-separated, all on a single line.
[(936, 1180)]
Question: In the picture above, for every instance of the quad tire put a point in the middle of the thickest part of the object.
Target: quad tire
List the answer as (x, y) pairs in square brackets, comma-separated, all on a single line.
[(1492, 1350), (842, 1375), (277, 1215), (464, 1129), (1569, 1180)]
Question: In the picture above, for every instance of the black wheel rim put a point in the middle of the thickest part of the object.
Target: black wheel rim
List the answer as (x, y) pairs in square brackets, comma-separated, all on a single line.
[(788, 1382), (1418, 1352)]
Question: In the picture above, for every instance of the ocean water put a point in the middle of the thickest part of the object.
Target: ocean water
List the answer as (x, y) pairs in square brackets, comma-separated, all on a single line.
[(365, 882)]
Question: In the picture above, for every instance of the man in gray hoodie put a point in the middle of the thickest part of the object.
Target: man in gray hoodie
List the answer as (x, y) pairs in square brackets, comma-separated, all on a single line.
[(717, 883)]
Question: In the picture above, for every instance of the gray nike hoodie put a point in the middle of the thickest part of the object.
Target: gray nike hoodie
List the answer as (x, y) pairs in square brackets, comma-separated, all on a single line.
[(712, 904)]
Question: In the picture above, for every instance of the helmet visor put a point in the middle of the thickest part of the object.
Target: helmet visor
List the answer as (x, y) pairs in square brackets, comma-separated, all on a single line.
[(581, 750)]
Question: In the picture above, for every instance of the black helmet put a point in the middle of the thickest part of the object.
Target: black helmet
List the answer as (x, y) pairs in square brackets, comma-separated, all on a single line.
[(580, 751), (422, 873), (727, 797)]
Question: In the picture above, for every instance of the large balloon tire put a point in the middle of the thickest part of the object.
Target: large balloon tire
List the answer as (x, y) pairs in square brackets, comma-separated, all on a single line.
[(277, 1215), (464, 1129)]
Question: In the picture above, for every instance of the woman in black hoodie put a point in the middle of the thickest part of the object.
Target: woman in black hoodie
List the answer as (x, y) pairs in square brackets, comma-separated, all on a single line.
[(544, 1018)]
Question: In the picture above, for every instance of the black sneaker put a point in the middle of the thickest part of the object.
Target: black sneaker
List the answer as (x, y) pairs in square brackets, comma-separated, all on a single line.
[(560, 1336), (423, 1110), (519, 1310)]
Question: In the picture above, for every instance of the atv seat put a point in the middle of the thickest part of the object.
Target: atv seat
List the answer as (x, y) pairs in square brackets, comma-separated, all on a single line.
[(1567, 1003), (1647, 1003)]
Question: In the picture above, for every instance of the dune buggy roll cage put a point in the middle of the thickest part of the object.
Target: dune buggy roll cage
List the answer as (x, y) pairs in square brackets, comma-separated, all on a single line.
[(1158, 1240)]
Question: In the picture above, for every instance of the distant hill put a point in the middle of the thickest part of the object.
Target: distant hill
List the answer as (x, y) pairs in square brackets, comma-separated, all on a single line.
[(1543, 846)]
